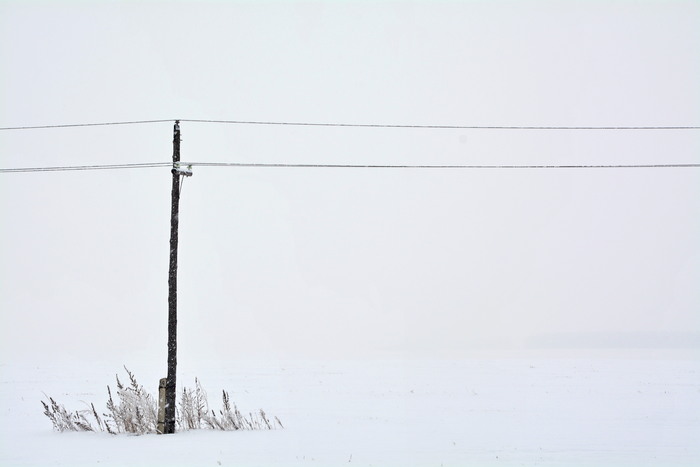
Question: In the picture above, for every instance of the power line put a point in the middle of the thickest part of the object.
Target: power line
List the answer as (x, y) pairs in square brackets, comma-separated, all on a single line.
[(359, 125), (73, 125), (343, 166), (411, 166), (66, 168), (442, 127)]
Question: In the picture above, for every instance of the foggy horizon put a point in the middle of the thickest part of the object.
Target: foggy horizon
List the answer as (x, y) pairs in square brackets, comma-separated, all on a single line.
[(350, 262)]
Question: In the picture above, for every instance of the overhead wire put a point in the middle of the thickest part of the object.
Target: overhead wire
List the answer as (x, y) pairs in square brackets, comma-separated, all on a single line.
[(347, 166), (440, 127), (431, 166), (361, 125), (342, 166), (74, 125), (65, 168)]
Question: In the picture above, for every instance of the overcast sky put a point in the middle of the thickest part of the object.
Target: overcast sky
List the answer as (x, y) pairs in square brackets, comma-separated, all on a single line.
[(350, 262)]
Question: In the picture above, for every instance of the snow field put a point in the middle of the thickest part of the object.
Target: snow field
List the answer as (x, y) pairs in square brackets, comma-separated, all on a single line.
[(399, 412)]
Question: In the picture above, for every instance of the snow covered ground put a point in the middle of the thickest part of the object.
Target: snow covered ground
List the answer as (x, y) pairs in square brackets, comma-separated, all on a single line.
[(523, 411)]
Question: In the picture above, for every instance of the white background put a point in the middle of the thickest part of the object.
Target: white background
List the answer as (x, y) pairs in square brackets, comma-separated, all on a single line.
[(349, 262)]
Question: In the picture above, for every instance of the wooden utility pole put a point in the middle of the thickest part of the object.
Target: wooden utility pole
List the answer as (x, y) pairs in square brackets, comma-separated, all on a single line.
[(170, 384)]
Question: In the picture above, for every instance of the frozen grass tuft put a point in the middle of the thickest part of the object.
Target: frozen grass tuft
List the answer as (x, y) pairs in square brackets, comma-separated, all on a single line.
[(195, 414), (135, 411), (63, 420)]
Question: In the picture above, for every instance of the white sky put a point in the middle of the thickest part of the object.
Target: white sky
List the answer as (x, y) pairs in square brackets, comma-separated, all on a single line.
[(350, 262)]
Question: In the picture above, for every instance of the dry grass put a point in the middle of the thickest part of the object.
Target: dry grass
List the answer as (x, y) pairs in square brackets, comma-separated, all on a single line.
[(135, 411)]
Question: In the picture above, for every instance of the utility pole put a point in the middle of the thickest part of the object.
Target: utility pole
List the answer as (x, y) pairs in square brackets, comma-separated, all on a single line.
[(170, 383)]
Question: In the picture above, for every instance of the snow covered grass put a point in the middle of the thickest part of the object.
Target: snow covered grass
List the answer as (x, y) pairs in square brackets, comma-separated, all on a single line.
[(395, 412), (136, 412)]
